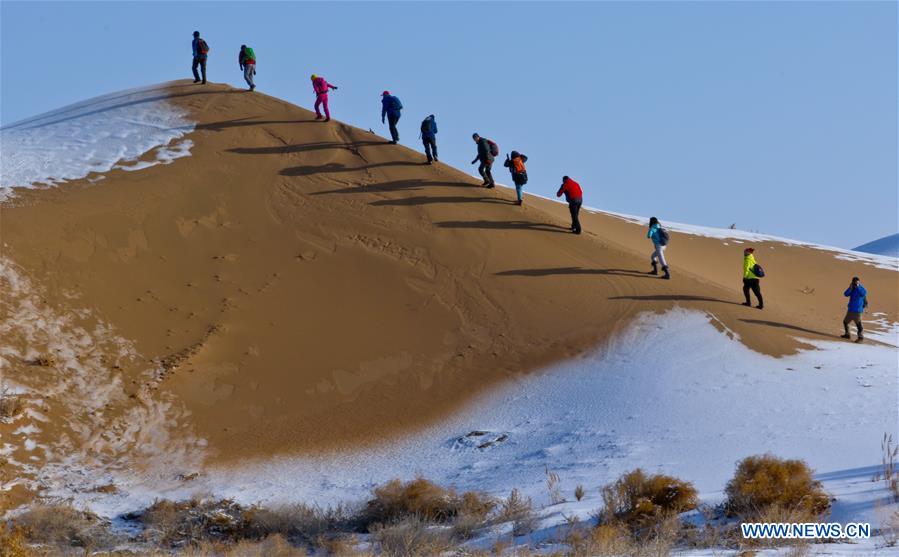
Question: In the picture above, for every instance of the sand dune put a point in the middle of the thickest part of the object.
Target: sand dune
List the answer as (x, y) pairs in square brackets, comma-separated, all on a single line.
[(294, 286)]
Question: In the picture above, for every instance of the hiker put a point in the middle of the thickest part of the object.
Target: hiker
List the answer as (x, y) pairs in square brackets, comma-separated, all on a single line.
[(575, 198), (659, 237), (429, 137), (391, 107), (515, 164), (858, 301), (487, 151), (200, 51), (321, 87), (247, 62), (752, 272)]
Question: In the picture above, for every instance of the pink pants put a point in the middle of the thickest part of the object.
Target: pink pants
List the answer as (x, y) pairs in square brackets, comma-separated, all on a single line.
[(322, 99)]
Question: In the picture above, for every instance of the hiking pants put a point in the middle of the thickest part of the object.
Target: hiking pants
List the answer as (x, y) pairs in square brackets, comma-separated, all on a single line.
[(659, 255), (574, 207), (394, 133), (322, 99), (201, 62), (249, 70), (853, 316), (485, 170), (518, 188), (754, 285), (430, 144)]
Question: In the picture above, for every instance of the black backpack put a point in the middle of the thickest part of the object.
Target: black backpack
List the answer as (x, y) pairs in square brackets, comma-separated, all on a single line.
[(758, 271), (663, 237), (426, 126)]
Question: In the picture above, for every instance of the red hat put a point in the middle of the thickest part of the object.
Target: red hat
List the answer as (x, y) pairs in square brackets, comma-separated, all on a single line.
[(385, 93), (749, 250)]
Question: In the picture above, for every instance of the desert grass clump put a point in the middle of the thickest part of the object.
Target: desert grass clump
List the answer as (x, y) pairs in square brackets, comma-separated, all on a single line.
[(579, 492), (890, 451), (766, 484), (642, 502), (554, 487), (411, 536), (297, 522), (178, 523), (61, 526), (425, 500), (13, 542), (10, 404), (518, 510)]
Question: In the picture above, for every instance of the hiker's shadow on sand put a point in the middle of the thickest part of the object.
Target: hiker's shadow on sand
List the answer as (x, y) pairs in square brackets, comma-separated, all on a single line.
[(552, 271), (337, 167), (288, 149), (504, 225), (787, 326), (674, 298), (398, 185), (431, 200)]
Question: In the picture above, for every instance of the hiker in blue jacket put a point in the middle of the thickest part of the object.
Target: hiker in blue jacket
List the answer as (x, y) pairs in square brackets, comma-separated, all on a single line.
[(391, 108), (659, 237), (857, 302), (429, 137), (200, 52)]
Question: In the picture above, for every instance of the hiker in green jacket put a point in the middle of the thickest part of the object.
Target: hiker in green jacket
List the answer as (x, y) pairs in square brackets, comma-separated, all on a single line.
[(247, 62)]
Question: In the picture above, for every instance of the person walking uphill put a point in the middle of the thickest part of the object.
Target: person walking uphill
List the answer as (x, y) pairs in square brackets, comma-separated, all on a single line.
[(858, 301), (247, 62), (575, 198), (321, 87), (752, 273), (201, 52), (659, 237), (487, 152), (515, 164), (391, 107), (429, 137)]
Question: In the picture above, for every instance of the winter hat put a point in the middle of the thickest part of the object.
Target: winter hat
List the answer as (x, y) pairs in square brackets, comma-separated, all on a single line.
[(475, 136), (196, 33), (313, 76), (515, 154), (749, 250), (385, 93)]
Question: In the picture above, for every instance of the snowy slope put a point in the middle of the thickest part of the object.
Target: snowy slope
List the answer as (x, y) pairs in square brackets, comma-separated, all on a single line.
[(888, 245), (672, 394), (97, 135)]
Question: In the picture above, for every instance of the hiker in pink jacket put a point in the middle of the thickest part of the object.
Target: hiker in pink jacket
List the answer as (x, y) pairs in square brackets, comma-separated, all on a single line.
[(321, 88)]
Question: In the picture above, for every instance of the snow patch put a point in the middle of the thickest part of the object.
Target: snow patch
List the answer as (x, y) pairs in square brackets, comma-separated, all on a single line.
[(94, 136)]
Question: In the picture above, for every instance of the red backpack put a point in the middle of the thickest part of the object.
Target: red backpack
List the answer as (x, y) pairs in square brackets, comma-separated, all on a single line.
[(494, 148), (202, 46)]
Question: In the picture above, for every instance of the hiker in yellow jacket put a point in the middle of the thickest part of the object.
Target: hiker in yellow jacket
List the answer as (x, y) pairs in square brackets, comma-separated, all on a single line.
[(752, 272)]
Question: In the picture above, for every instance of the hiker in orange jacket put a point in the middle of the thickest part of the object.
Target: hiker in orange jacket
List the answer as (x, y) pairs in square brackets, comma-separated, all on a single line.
[(321, 88), (575, 198), (515, 164)]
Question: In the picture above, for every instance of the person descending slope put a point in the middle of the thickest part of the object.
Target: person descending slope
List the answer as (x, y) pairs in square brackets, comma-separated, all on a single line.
[(246, 59), (487, 152), (659, 237), (752, 272), (575, 198), (391, 107), (515, 164), (321, 87), (201, 53), (429, 137), (858, 301)]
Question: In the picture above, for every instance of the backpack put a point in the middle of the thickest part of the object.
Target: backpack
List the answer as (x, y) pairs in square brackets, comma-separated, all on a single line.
[(758, 271), (426, 126), (494, 148), (248, 52), (663, 237), (202, 46)]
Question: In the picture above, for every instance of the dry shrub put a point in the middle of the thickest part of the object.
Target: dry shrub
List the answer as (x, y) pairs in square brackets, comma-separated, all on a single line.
[(519, 511), (554, 487), (410, 536), (604, 540), (296, 521), (62, 526), (890, 452), (579, 492), (424, 500), (764, 483), (10, 404), (641, 501), (13, 542), (196, 520)]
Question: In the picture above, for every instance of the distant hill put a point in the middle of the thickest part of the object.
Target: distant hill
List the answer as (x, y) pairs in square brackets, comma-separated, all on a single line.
[(888, 245)]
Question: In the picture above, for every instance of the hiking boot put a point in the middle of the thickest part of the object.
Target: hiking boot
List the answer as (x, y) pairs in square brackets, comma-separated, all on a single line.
[(846, 336), (747, 304), (393, 142), (760, 306), (519, 203), (860, 340), (318, 116), (667, 275), (203, 82), (490, 186), (655, 268), (252, 87), (328, 119), (196, 81)]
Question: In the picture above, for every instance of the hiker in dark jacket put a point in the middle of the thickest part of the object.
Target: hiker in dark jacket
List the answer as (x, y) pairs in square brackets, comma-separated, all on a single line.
[(575, 198), (486, 157), (515, 164), (857, 301), (391, 107), (659, 238), (429, 137), (200, 52), (246, 59)]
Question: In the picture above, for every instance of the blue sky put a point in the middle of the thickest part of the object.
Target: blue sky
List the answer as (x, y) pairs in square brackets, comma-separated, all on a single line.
[(780, 117)]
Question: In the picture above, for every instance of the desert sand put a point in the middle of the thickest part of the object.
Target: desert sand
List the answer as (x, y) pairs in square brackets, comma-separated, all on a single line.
[(297, 286)]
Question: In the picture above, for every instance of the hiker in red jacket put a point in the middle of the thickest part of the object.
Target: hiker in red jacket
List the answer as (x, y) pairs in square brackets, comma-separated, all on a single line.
[(575, 197), (321, 88)]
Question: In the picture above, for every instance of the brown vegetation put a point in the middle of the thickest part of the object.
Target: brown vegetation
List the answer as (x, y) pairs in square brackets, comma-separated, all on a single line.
[(423, 499), (767, 484), (640, 501)]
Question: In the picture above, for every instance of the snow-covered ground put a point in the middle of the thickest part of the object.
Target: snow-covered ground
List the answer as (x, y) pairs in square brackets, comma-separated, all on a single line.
[(673, 395), (94, 136)]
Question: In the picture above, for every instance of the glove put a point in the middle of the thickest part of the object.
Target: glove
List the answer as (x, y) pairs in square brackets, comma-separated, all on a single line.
[(335, 87), (474, 161)]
